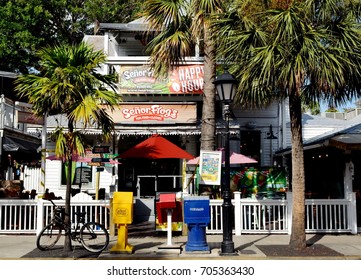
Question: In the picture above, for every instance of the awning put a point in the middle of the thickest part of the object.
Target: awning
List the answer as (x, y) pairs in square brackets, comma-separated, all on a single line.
[(135, 25), (127, 130), (11, 144)]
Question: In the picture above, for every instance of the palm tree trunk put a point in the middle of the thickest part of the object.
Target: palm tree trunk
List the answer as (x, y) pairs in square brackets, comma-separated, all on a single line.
[(208, 130), (67, 221), (298, 235), (67, 242)]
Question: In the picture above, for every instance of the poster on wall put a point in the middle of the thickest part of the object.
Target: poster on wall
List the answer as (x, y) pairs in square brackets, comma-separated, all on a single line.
[(210, 167)]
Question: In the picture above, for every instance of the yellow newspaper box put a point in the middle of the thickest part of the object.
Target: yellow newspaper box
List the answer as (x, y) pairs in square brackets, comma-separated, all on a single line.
[(122, 207)]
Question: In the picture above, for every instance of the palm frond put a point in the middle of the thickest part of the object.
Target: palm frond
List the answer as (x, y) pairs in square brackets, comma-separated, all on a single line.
[(319, 46), (69, 84)]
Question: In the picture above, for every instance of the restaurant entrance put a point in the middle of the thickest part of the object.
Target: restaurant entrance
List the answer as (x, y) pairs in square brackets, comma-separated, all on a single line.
[(145, 176)]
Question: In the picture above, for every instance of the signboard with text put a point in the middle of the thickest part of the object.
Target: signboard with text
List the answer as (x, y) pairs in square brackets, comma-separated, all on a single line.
[(140, 79), (155, 113), (101, 150), (83, 175), (210, 167), (27, 117)]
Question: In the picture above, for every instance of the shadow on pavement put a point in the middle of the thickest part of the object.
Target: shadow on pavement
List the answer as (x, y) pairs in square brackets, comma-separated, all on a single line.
[(58, 253)]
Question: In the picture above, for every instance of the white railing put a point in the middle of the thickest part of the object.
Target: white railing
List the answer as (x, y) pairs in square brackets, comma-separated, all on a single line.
[(275, 216), (263, 216), (30, 216), (250, 215), (215, 225), (96, 210), (8, 111), (331, 215), (18, 216)]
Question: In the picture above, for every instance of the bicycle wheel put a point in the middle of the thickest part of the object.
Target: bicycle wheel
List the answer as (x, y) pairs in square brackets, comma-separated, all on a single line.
[(94, 237), (48, 237)]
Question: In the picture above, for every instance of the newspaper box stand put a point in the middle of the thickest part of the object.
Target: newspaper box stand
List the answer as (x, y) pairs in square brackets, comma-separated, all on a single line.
[(122, 215), (166, 205), (197, 217)]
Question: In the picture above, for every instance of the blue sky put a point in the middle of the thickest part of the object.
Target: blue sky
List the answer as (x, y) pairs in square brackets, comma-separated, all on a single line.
[(350, 104)]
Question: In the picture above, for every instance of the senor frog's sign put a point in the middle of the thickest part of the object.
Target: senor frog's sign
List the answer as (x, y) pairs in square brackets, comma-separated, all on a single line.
[(154, 113)]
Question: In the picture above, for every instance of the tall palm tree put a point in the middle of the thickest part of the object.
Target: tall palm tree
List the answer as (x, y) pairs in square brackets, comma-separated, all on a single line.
[(180, 24), (302, 50), (69, 84)]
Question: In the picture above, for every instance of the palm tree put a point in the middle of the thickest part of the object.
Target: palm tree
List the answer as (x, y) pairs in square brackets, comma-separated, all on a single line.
[(69, 84), (301, 50), (181, 24)]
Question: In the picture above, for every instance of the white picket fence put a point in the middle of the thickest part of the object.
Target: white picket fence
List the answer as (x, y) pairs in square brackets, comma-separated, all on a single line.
[(30, 216), (253, 216), (250, 216), (270, 216)]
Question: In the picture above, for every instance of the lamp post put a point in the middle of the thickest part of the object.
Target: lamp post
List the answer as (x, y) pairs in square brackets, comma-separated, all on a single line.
[(226, 88)]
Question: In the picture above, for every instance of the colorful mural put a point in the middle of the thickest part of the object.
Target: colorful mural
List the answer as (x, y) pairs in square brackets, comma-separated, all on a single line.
[(257, 183)]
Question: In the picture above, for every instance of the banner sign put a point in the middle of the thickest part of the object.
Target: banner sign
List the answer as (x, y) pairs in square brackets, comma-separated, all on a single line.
[(210, 167), (187, 79), (158, 113), (27, 117), (101, 150)]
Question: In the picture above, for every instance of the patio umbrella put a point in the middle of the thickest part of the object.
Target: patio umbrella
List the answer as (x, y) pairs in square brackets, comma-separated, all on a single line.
[(235, 158), (156, 147)]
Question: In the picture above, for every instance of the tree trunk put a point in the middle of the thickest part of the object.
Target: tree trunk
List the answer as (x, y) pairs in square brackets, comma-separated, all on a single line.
[(208, 130), (298, 236), (67, 242), (67, 221)]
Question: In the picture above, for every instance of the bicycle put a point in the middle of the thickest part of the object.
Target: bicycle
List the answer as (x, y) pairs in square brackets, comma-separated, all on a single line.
[(92, 235)]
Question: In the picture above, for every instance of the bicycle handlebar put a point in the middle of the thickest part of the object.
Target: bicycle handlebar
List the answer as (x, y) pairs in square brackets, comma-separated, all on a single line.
[(52, 202)]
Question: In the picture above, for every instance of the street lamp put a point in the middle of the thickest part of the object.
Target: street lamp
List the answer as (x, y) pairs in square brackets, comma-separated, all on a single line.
[(226, 88)]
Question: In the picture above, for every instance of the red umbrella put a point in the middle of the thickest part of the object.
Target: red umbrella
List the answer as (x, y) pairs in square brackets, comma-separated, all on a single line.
[(155, 147), (234, 159)]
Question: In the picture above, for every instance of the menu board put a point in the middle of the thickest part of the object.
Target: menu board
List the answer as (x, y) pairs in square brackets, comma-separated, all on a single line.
[(83, 175)]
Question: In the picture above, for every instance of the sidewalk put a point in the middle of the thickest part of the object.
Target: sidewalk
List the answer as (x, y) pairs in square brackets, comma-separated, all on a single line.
[(246, 246), (148, 245)]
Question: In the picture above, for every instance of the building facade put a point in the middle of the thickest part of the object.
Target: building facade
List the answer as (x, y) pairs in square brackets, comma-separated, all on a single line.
[(171, 107), (19, 149)]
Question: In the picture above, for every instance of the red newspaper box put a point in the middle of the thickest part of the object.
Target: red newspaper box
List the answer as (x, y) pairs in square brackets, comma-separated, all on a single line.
[(166, 201)]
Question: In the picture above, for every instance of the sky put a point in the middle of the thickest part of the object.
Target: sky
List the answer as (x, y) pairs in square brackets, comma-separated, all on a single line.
[(350, 104)]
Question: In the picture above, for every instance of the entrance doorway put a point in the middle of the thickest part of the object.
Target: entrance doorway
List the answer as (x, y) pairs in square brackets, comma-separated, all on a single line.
[(251, 144), (145, 177)]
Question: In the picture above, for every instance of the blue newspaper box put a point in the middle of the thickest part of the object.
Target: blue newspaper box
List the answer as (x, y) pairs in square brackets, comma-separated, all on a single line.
[(197, 217)]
